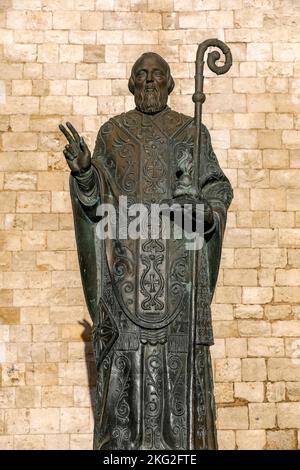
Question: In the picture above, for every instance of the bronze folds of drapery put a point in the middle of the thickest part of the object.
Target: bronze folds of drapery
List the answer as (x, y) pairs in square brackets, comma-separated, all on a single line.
[(149, 299)]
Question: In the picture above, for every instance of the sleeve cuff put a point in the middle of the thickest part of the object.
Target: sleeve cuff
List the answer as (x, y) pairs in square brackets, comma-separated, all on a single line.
[(87, 188)]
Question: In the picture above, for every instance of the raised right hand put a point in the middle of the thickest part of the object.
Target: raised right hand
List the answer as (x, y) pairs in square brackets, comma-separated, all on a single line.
[(76, 151)]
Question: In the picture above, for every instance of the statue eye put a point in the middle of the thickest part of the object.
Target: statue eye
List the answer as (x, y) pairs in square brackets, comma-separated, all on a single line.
[(140, 74)]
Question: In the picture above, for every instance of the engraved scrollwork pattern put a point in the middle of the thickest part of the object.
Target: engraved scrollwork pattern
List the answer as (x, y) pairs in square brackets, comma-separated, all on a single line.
[(177, 402), (153, 399), (178, 277), (123, 272), (204, 333), (131, 121), (125, 177), (121, 432), (124, 261), (201, 431), (100, 399)]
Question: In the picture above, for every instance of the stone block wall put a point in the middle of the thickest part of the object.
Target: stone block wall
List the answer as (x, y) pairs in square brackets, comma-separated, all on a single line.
[(70, 60)]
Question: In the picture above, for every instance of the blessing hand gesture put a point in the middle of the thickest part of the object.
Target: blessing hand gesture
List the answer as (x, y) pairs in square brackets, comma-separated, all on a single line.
[(77, 153)]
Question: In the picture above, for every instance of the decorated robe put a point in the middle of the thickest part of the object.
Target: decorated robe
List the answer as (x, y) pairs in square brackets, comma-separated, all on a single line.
[(151, 317)]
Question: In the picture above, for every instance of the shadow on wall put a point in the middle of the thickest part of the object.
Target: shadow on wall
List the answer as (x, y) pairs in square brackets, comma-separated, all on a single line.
[(86, 336)]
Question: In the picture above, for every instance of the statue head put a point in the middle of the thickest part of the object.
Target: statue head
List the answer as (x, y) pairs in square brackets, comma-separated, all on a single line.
[(150, 83)]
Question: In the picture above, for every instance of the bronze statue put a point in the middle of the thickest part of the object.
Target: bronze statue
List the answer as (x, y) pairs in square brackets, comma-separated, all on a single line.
[(149, 299)]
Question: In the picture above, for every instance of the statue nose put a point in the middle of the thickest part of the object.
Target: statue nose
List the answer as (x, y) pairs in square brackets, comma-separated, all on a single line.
[(149, 77)]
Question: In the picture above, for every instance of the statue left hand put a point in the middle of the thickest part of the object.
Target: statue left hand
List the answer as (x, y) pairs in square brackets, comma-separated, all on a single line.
[(208, 212)]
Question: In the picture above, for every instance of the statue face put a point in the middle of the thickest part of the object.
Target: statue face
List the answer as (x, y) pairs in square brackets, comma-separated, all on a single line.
[(151, 85)]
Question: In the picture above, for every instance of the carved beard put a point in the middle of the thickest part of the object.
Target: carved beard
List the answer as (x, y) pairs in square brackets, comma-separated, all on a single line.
[(150, 101)]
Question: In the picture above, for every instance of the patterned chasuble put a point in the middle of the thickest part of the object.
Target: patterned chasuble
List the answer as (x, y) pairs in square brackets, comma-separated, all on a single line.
[(150, 393)]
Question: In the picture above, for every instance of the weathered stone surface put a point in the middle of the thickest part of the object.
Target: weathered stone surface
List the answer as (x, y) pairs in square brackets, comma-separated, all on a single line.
[(251, 440), (234, 417)]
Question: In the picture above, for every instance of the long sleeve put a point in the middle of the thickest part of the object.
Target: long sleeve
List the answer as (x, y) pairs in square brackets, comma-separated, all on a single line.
[(87, 187), (217, 189)]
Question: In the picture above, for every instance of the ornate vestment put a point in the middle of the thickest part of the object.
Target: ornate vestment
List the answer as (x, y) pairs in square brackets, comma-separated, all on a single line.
[(154, 377)]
